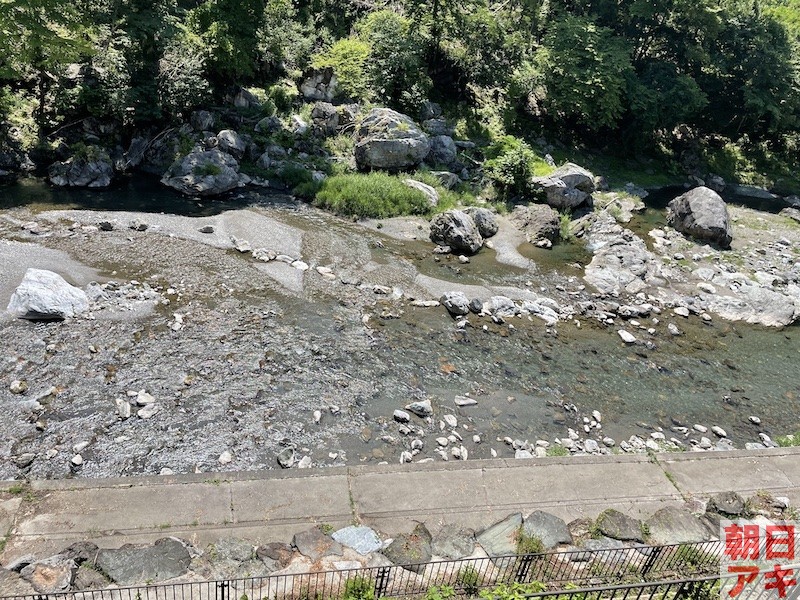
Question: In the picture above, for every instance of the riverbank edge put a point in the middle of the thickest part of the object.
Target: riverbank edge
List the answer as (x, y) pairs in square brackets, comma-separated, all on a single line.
[(207, 507)]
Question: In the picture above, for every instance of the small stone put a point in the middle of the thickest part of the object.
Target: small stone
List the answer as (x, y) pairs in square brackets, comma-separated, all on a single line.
[(465, 401), (79, 447), (451, 421), (304, 463), (143, 398), (700, 428), (77, 460), (225, 458), (401, 416), (719, 431), (673, 329), (147, 411), (421, 408), (106, 226), (522, 454), (626, 337), (681, 311), (476, 439), (300, 265), (317, 415), (597, 416), (591, 446), (442, 441), (754, 420), (123, 408), (18, 387), (405, 457)]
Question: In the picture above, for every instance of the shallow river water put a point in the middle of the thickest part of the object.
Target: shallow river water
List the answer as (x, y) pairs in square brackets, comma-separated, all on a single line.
[(715, 374)]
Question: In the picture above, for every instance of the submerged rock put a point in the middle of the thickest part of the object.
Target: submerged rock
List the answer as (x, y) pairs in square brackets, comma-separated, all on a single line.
[(45, 295)]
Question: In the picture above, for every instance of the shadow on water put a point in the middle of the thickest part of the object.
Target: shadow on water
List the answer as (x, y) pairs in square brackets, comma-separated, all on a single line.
[(142, 193)]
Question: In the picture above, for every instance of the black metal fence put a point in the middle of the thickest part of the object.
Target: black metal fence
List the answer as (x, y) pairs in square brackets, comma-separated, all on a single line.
[(462, 578)]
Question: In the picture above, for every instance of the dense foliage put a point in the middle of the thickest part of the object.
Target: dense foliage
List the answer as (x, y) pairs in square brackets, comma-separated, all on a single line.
[(597, 71)]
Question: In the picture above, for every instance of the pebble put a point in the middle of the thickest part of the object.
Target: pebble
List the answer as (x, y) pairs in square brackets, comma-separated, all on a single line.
[(626, 337), (317, 415), (476, 439), (700, 428), (77, 460), (451, 421), (673, 329), (493, 452), (77, 448), (754, 420), (417, 444), (522, 454), (147, 411), (300, 265), (225, 458), (304, 463), (465, 401), (719, 431), (18, 387), (401, 416), (405, 457), (143, 398), (609, 442), (597, 416), (705, 443), (206, 229), (442, 441), (421, 408), (681, 311), (591, 446)]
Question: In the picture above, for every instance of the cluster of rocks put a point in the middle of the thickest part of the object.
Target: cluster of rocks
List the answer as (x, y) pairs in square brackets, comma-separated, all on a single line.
[(44, 296), (462, 230), (613, 536), (500, 308)]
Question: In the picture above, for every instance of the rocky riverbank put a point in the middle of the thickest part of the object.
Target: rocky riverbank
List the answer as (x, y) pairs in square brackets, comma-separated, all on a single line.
[(278, 335)]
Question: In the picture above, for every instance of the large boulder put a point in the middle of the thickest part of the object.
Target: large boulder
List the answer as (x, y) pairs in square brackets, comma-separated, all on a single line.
[(129, 565), (91, 168), (325, 117), (389, 140), (537, 222), (485, 220), (411, 549), (202, 120), (231, 142), (575, 176), (320, 85), (501, 538), (701, 213), (456, 229), (44, 295), (203, 173), (619, 526), (547, 528), (558, 194), (314, 544), (443, 151), (673, 525), (52, 575)]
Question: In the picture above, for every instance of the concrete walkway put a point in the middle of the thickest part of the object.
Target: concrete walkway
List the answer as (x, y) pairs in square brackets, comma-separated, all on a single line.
[(273, 505)]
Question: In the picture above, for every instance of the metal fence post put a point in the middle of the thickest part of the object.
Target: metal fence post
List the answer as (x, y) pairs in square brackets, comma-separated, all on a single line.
[(222, 590), (651, 560), (382, 581), (523, 568)]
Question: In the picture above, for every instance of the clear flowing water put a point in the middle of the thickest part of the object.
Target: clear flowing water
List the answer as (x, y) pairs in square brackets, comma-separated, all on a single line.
[(716, 374)]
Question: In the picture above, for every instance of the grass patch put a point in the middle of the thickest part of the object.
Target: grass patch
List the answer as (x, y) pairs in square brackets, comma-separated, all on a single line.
[(208, 169), (359, 588), (789, 440), (557, 450), (469, 580), (528, 544), (372, 195)]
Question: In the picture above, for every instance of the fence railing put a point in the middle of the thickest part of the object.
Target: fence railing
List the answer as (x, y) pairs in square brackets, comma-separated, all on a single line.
[(467, 577)]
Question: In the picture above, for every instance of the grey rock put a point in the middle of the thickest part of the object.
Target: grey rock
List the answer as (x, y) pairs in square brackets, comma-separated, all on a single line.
[(314, 544), (549, 529), (93, 169), (286, 457), (320, 85), (401, 416), (456, 229), (701, 214), (430, 192), (129, 565), (791, 213), (325, 117), (437, 126), (456, 303), (673, 525), (246, 99), (453, 542), (202, 120), (429, 110), (360, 538), (411, 549), (448, 180), (389, 140), (756, 305), (752, 191), (268, 125), (275, 554), (727, 503), (45, 295), (501, 538), (558, 194), (537, 222), (443, 151), (206, 173), (619, 526), (231, 142), (52, 575), (421, 408), (575, 176), (485, 220)]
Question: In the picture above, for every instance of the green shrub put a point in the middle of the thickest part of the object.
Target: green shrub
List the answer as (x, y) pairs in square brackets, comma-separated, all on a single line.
[(283, 94), (469, 579), (207, 169), (359, 588), (348, 59), (789, 440), (440, 592), (511, 163), (512, 591), (372, 195)]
